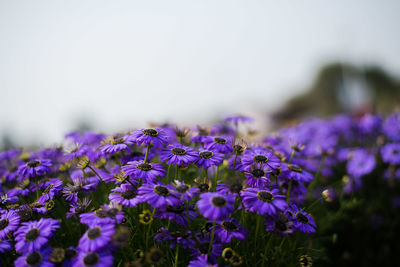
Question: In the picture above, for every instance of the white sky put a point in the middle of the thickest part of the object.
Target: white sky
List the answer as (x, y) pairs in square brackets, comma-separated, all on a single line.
[(123, 63)]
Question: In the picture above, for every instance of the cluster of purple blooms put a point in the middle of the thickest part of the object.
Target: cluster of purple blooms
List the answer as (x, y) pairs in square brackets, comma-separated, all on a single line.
[(209, 177)]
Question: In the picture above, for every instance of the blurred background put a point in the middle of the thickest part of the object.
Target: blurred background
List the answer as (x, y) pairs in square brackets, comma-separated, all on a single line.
[(114, 65)]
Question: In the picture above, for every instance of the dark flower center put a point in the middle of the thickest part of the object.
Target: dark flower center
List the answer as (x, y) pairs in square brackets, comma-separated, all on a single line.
[(302, 218), (91, 259), (100, 213), (147, 218), (204, 188), (33, 164), (32, 234), (203, 247), (33, 259), (265, 196), (70, 253), (206, 154), (295, 168), (4, 223), (137, 154), (182, 188), (94, 233), (395, 152), (258, 173), (177, 210), (228, 254), (235, 188), (178, 151), (161, 190), (117, 141), (112, 212), (156, 256), (151, 132), (220, 140), (128, 194), (238, 148), (229, 226), (261, 159), (219, 201), (281, 226), (144, 167)]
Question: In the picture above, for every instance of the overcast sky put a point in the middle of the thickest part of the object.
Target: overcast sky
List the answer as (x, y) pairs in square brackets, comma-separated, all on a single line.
[(123, 63)]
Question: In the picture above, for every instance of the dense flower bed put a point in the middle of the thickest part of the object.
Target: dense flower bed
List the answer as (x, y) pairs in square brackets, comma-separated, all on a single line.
[(200, 197)]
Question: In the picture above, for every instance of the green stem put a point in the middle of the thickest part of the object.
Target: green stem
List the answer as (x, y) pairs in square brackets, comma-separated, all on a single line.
[(148, 229), (212, 238), (168, 178), (37, 189), (177, 173), (288, 191), (216, 179), (147, 153), (292, 156), (234, 161), (176, 255), (101, 179)]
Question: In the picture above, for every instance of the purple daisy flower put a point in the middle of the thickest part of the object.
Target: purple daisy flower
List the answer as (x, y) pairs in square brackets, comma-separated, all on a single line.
[(391, 127), (9, 221), (201, 136), (179, 155), (257, 176), (235, 119), (234, 188), (294, 172), (302, 220), (115, 144), (35, 258), (201, 261), (107, 214), (202, 243), (179, 214), (33, 235), (184, 239), (361, 163), (102, 258), (215, 206), (391, 153), (263, 201), (50, 189), (96, 237), (77, 151), (5, 245), (208, 158), (147, 171), (186, 192), (158, 195), (279, 224), (260, 156), (35, 168), (125, 195), (157, 137), (227, 229), (219, 144)]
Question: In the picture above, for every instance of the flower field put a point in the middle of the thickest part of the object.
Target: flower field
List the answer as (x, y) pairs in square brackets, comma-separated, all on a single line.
[(323, 192)]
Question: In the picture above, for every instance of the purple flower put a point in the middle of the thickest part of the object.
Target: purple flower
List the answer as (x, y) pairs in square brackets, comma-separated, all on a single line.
[(227, 229), (361, 163), (219, 144), (96, 237), (208, 158), (294, 172), (201, 261), (179, 155), (157, 137), (35, 258), (260, 156), (202, 243), (147, 171), (302, 220), (391, 153), (158, 195), (235, 119), (179, 214), (257, 176), (215, 206), (391, 127), (186, 192), (50, 189), (33, 235), (107, 214), (9, 221), (125, 195), (34, 168), (5, 245), (115, 144), (102, 258), (263, 201), (279, 224)]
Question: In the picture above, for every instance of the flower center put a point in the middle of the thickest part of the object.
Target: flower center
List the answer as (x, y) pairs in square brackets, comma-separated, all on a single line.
[(112, 212), (178, 151), (128, 194), (258, 173), (265, 196), (229, 226), (151, 132), (33, 259), (144, 167), (261, 159), (57, 255), (235, 188), (156, 256), (70, 253), (206, 154), (203, 247), (117, 141), (91, 259), (219, 201), (182, 188), (302, 218), (281, 226), (295, 168), (220, 140), (204, 188), (100, 213), (32, 234), (4, 223), (161, 190), (177, 210), (33, 164), (94, 233)]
